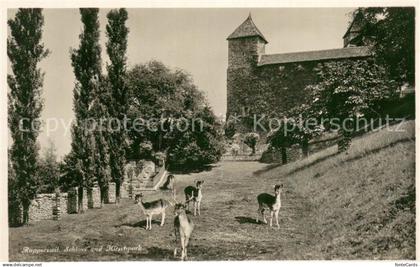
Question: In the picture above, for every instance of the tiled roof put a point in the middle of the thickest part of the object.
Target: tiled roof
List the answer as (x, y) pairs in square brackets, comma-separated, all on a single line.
[(246, 29), (356, 24), (341, 53)]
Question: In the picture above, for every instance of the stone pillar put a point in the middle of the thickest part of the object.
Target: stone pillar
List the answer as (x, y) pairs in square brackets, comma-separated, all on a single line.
[(72, 201), (56, 208), (111, 193), (94, 197), (124, 190), (63, 203), (85, 199)]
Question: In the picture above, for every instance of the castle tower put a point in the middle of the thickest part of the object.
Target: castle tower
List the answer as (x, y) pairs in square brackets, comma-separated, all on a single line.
[(245, 46)]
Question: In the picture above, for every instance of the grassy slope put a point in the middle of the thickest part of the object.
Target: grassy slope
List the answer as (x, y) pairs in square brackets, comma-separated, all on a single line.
[(359, 205), (363, 201)]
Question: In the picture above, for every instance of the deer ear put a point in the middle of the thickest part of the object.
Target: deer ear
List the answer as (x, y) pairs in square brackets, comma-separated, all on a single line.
[(202, 181)]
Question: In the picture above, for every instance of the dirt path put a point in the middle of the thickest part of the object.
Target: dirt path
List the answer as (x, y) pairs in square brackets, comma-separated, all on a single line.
[(226, 230)]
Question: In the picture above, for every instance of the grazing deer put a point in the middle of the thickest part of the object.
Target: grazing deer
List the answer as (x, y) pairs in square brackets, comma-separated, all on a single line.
[(270, 202), (195, 195), (183, 226), (151, 208), (169, 184)]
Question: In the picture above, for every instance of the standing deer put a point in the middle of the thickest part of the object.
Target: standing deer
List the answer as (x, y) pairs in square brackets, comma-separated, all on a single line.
[(183, 226), (270, 202), (169, 185), (151, 208), (195, 195)]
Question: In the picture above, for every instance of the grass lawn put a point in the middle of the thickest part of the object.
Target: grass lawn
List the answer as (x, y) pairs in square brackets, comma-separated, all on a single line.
[(358, 205)]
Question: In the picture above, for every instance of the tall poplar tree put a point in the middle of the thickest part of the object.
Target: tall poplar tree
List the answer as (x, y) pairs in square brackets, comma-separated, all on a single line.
[(116, 48), (86, 62), (25, 50)]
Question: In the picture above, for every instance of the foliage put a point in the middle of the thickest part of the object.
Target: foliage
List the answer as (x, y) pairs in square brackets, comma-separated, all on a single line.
[(146, 150), (347, 90), (167, 105), (251, 140), (88, 103), (393, 32), (100, 137), (25, 51), (230, 129), (49, 171), (196, 148), (116, 47)]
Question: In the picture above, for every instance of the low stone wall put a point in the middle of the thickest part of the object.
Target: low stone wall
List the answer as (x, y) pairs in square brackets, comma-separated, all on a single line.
[(255, 157), (42, 206), (53, 206)]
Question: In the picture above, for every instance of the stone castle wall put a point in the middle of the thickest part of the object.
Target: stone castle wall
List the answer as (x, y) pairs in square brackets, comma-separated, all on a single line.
[(268, 90), (46, 206)]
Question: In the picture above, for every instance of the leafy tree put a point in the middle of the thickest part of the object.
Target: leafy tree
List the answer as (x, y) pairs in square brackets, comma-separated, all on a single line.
[(347, 90), (49, 171), (251, 140), (284, 137), (230, 129), (25, 51), (86, 62), (116, 47), (393, 31), (194, 148), (165, 100)]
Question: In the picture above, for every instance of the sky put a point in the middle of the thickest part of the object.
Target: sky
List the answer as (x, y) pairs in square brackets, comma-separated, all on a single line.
[(190, 39)]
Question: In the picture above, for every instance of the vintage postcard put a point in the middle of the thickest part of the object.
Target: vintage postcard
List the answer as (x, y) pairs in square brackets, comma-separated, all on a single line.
[(210, 133)]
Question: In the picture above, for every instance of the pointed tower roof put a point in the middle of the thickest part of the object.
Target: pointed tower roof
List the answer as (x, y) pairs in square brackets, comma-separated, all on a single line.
[(246, 29)]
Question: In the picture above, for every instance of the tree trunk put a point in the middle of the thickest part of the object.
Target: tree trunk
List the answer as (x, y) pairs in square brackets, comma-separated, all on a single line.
[(117, 192), (80, 199), (345, 140), (283, 155), (305, 148), (25, 207), (104, 195)]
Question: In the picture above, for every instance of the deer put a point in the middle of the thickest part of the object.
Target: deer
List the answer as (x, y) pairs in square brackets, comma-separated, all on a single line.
[(151, 208), (169, 185), (183, 227), (271, 203), (195, 195)]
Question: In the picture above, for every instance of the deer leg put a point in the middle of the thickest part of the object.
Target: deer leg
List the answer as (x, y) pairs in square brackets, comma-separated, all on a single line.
[(199, 207), (271, 218), (277, 218), (176, 242), (150, 221), (182, 246), (187, 240), (263, 214), (195, 208), (258, 215), (162, 221)]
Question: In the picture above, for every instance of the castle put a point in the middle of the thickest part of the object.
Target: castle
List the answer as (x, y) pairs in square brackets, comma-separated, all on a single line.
[(272, 84)]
